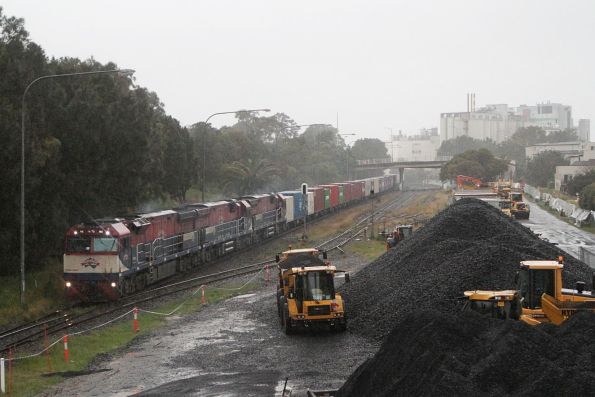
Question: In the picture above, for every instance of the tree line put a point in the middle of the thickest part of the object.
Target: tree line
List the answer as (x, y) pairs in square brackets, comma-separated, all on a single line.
[(100, 145)]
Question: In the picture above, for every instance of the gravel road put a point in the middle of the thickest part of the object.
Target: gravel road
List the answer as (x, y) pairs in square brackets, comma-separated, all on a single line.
[(231, 348)]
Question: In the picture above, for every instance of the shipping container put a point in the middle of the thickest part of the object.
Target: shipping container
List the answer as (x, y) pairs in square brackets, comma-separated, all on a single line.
[(289, 208), (344, 190), (333, 195), (376, 184), (298, 202), (311, 207), (357, 190), (319, 197), (368, 186)]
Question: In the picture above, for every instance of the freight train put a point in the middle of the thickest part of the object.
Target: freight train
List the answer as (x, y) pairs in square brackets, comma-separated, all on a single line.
[(114, 257)]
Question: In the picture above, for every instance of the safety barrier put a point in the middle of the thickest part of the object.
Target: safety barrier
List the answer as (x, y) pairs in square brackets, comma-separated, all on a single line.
[(6, 377), (579, 215)]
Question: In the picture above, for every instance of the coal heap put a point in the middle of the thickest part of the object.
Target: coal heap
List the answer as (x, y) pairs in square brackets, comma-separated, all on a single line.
[(433, 353), (470, 245), (408, 299)]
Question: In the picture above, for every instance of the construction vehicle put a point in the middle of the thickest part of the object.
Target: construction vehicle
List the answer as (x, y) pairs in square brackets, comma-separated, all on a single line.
[(399, 233), (468, 182), (306, 294), (539, 297), (503, 205), (520, 209), (502, 188)]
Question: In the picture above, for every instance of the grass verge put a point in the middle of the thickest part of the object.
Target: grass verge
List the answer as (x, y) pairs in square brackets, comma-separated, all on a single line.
[(33, 375)]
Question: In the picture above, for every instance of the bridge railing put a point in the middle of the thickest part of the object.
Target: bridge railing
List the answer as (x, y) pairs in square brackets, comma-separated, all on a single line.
[(374, 161)]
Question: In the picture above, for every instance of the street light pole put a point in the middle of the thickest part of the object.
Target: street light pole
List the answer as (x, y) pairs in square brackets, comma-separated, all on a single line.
[(204, 144), (50, 76)]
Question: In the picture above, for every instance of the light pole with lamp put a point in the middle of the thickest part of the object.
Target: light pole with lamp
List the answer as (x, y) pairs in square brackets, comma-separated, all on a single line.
[(126, 72), (204, 143)]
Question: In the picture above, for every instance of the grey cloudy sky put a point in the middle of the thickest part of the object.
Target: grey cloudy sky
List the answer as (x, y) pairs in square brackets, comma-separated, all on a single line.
[(378, 64)]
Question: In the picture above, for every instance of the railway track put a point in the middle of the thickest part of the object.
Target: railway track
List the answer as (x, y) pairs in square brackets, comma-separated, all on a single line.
[(68, 321)]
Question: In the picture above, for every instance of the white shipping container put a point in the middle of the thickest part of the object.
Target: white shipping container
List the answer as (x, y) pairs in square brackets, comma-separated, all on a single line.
[(377, 185), (310, 203), (289, 210), (367, 186)]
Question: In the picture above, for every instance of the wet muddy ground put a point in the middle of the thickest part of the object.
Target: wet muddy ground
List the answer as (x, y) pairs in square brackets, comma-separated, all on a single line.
[(231, 348), (568, 237)]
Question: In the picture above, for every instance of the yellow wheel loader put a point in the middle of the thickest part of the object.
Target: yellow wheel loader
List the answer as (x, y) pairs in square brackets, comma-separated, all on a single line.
[(306, 294), (539, 297)]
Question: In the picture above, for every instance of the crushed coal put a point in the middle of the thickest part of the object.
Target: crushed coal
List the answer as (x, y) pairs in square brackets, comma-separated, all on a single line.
[(432, 353), (409, 299), (469, 245)]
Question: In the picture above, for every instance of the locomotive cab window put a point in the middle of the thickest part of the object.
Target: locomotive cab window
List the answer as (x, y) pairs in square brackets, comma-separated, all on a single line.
[(78, 245), (105, 244)]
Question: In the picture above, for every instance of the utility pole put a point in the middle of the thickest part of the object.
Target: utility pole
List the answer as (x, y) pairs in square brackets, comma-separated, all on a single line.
[(372, 198), (305, 208)]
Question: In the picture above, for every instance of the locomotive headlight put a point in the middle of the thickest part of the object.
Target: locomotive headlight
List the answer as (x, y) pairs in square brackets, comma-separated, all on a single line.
[(113, 284), (68, 284), (75, 232), (107, 233)]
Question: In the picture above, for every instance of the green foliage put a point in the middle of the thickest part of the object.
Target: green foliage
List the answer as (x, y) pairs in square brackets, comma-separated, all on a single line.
[(461, 144), (369, 148), (248, 177), (95, 146), (587, 197), (476, 163), (541, 169), (528, 136), (579, 182), (98, 146)]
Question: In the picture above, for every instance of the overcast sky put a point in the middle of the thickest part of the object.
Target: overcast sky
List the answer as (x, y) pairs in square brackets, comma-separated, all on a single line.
[(377, 64)]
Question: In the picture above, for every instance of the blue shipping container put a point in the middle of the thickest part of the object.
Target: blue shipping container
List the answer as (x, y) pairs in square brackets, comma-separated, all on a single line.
[(298, 210)]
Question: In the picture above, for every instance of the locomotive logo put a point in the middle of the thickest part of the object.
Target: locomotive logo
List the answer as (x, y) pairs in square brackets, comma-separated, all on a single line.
[(90, 262)]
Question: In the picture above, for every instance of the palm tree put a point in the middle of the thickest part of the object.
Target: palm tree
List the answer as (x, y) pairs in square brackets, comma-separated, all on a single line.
[(249, 176)]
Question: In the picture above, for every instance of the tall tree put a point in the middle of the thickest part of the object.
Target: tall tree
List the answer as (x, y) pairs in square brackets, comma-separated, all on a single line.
[(542, 168), (579, 182), (369, 148), (249, 176), (461, 144), (476, 163)]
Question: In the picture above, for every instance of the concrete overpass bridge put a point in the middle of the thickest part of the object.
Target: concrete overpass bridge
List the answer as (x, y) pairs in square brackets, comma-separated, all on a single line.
[(376, 164)]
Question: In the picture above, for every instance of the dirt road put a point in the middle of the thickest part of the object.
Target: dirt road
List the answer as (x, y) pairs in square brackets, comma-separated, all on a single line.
[(232, 348)]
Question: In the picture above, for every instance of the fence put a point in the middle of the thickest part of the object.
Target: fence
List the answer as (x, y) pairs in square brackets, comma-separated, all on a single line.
[(579, 215), (6, 377)]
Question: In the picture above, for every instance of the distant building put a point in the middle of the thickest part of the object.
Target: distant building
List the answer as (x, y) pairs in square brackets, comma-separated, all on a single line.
[(549, 116), (499, 122), (570, 150), (493, 122), (584, 130), (422, 147)]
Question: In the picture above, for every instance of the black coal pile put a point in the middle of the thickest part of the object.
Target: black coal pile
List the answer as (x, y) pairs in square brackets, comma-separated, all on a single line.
[(433, 353), (470, 245)]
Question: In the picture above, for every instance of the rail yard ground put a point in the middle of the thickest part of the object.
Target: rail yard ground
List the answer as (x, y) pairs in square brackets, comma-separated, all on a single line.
[(425, 204), (406, 334)]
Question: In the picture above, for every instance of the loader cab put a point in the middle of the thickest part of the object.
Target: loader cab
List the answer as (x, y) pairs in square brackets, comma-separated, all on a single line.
[(536, 278)]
